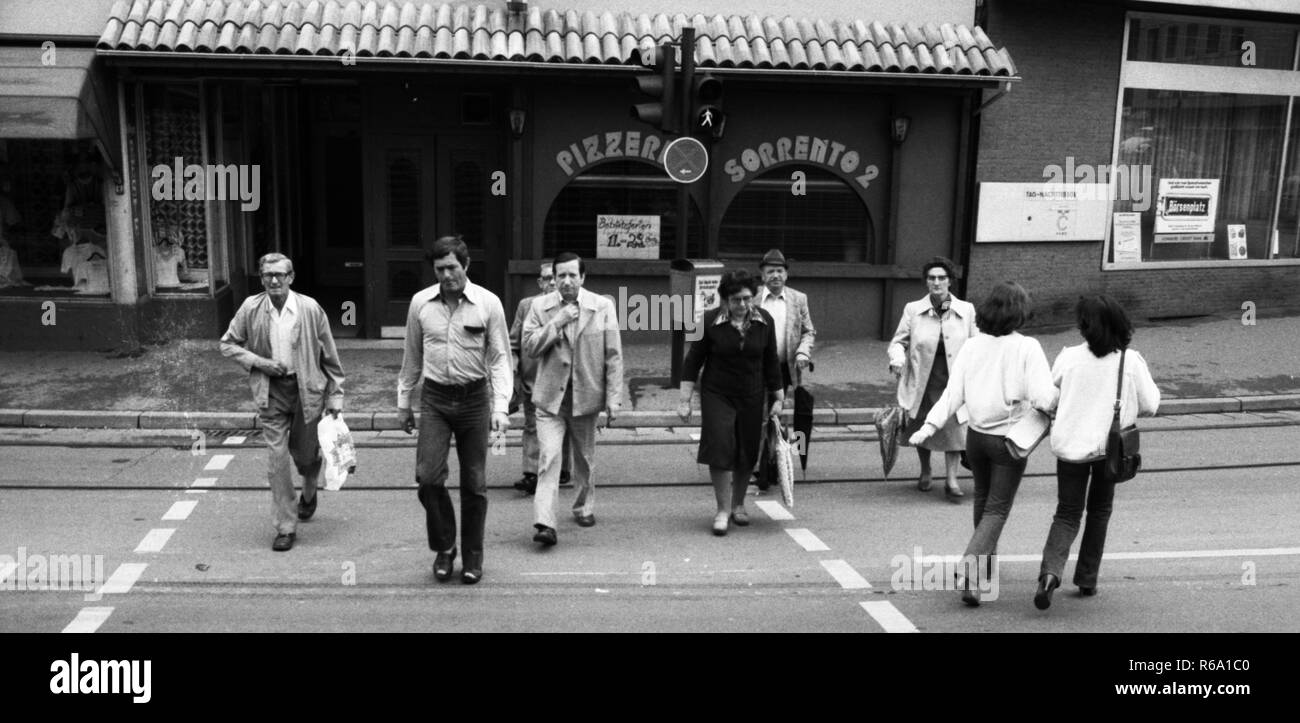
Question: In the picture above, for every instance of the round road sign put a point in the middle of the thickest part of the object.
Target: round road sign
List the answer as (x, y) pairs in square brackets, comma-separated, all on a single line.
[(686, 159)]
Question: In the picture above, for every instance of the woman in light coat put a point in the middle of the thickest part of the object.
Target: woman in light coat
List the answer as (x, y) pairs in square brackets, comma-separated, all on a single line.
[(931, 332), (1087, 375)]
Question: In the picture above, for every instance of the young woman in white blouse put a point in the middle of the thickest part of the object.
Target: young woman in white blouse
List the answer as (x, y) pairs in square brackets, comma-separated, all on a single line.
[(999, 377), (1086, 375)]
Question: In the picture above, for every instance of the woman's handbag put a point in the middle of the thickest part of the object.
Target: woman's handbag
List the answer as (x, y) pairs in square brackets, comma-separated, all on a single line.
[(1025, 435), (1123, 456)]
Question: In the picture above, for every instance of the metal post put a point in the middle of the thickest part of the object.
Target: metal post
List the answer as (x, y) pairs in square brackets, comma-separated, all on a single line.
[(685, 94)]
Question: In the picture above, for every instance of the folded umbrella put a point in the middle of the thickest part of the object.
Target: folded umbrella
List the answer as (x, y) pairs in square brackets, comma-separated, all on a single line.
[(803, 423)]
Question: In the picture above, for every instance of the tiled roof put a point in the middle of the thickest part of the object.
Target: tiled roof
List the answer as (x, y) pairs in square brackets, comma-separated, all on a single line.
[(400, 30)]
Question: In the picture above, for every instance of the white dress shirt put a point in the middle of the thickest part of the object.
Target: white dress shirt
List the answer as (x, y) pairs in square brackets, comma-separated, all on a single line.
[(282, 326), (775, 305)]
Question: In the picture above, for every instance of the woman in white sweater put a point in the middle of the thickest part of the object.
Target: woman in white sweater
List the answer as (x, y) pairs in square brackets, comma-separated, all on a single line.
[(999, 376), (1086, 375)]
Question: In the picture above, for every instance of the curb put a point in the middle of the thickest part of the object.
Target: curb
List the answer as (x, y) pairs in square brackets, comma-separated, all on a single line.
[(382, 421)]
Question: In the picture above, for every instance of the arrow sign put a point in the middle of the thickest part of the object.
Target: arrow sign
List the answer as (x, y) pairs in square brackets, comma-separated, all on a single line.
[(685, 160)]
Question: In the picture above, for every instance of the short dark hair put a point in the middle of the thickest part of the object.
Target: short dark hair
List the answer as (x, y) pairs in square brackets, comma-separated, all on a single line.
[(1004, 310), (448, 245), (565, 257), (1103, 323), (939, 262), (733, 281)]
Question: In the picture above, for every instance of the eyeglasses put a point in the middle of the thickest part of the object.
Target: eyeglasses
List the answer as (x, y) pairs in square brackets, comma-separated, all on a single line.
[(276, 275), (936, 278)]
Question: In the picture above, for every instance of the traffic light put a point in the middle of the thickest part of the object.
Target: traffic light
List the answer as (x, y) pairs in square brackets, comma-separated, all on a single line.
[(707, 116), (663, 113)]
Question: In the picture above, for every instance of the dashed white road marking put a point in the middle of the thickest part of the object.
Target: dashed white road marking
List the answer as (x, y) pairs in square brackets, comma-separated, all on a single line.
[(773, 509), (88, 620), (180, 510), (807, 539), (201, 485), (845, 575), (695, 436), (234, 440), (155, 540), (888, 617), (218, 462), (6, 570), (123, 578)]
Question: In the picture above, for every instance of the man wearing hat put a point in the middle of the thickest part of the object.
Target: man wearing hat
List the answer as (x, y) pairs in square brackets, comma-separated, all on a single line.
[(789, 309), (794, 328)]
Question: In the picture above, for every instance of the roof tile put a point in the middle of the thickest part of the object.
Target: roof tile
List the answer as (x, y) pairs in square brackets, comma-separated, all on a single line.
[(487, 32)]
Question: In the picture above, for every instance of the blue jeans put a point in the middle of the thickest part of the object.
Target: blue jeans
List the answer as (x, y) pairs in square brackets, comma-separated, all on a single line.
[(1072, 489), (997, 477), (466, 415)]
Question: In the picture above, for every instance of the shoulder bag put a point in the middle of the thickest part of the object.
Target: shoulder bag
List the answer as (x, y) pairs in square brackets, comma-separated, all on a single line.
[(1123, 456)]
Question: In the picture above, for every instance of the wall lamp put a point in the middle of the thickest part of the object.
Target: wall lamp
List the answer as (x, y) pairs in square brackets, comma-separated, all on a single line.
[(899, 128), (517, 118)]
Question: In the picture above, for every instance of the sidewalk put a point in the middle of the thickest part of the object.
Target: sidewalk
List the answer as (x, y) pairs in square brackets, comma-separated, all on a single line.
[(1206, 365)]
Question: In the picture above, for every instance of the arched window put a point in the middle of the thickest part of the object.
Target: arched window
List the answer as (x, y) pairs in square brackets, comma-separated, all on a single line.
[(824, 220), (619, 188)]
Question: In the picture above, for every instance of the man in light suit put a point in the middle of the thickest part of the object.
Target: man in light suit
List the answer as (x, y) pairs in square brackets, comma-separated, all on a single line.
[(794, 328), (789, 309), (574, 336), (525, 372)]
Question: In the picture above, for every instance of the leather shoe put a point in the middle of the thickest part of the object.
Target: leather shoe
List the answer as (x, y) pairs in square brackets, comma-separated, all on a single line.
[(545, 535), (472, 572), (1087, 591), (923, 484), (528, 484), (740, 517), (969, 595), (1046, 584), (443, 564), (584, 520), (954, 494), (283, 542), (720, 524), (305, 509)]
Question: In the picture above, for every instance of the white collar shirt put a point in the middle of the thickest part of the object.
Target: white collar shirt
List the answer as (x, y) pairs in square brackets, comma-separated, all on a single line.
[(776, 306), (282, 328)]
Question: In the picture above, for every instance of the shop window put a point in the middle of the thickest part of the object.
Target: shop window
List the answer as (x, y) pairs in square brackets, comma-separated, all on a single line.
[(53, 232), (1179, 40), (1200, 175), (620, 188), (178, 249), (829, 222)]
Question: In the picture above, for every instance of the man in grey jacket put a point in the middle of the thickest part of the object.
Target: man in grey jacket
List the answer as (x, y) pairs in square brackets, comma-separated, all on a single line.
[(283, 339)]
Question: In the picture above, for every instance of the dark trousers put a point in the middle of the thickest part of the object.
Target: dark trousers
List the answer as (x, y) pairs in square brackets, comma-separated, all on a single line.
[(1073, 493), (997, 478), (466, 415)]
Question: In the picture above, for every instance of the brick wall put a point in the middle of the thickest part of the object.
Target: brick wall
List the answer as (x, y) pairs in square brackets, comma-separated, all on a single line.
[(1069, 55)]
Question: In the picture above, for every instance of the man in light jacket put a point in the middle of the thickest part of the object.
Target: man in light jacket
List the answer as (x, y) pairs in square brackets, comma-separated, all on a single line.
[(525, 372), (283, 339), (574, 336), (795, 332)]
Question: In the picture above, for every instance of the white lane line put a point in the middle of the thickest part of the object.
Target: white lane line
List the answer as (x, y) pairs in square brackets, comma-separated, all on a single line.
[(122, 579), (180, 510), (6, 570), (1166, 554), (807, 539), (218, 462), (155, 540), (845, 575), (88, 620), (204, 482), (888, 617), (773, 509), (234, 440)]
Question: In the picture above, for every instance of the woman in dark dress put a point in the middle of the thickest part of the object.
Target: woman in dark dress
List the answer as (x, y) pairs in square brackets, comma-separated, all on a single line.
[(740, 388)]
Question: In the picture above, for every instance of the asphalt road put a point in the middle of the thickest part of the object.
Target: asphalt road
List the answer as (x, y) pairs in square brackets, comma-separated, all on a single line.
[(1190, 549)]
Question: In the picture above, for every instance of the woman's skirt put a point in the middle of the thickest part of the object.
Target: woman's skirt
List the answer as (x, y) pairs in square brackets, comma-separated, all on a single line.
[(952, 437), (730, 430)]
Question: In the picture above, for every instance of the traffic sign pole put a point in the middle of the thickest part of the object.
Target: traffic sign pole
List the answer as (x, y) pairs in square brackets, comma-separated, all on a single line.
[(683, 192)]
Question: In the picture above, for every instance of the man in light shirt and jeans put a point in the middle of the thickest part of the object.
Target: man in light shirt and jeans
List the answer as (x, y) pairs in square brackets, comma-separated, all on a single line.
[(283, 339), (457, 342)]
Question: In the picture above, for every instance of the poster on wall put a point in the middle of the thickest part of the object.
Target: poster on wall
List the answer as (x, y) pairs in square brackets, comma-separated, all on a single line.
[(627, 237), (1185, 210), (1031, 212), (1127, 234), (1236, 240), (706, 294)]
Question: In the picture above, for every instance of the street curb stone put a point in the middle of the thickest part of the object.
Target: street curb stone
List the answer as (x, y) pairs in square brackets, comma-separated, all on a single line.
[(197, 420), (81, 419), (1270, 402), (12, 417), (1199, 406)]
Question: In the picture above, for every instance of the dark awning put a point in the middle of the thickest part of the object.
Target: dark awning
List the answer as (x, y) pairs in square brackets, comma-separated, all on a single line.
[(66, 100), (326, 30)]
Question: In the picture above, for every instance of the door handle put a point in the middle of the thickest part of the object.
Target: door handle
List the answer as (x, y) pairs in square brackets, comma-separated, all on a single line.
[(354, 264)]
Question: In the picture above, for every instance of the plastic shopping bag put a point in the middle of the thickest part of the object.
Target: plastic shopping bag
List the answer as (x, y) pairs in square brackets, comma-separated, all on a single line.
[(782, 457), (337, 449)]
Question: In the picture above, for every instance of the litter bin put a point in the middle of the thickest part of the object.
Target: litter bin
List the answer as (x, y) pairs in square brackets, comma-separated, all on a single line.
[(695, 282)]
